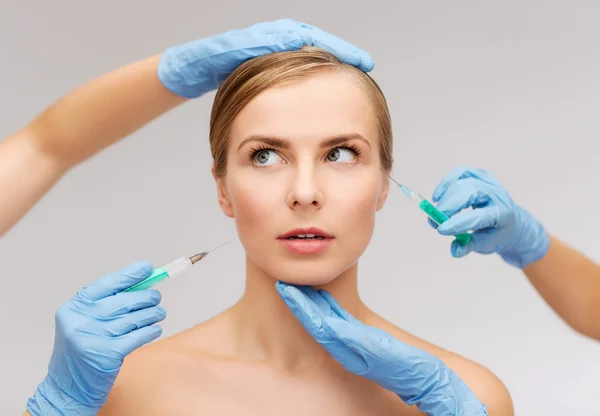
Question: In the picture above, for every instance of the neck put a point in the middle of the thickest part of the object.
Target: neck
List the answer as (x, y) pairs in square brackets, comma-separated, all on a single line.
[(269, 332)]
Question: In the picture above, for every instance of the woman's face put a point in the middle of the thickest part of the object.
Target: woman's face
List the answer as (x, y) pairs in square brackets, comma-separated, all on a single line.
[(303, 160)]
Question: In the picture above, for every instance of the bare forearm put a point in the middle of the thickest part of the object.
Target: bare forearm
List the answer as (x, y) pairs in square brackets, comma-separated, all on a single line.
[(570, 283), (75, 128)]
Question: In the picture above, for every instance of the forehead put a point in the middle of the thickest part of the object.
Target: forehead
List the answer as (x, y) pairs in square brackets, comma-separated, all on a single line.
[(319, 106)]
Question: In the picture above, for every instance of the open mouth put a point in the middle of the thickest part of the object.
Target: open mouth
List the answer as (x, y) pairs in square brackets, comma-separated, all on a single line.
[(311, 233), (306, 237), (306, 240)]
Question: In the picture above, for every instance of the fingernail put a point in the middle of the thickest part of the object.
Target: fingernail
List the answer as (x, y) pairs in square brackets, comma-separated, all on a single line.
[(443, 229), (367, 63)]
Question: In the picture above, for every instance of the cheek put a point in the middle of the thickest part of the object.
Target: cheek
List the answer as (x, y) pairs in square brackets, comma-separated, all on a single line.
[(254, 202), (355, 203)]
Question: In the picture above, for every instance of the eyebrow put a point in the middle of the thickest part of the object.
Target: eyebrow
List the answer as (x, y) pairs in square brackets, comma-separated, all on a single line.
[(281, 143)]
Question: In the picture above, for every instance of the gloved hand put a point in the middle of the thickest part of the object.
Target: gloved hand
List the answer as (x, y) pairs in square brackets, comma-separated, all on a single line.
[(498, 224), (196, 67), (95, 330), (417, 377)]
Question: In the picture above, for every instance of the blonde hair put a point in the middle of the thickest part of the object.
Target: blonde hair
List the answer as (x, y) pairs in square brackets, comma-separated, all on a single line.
[(276, 69)]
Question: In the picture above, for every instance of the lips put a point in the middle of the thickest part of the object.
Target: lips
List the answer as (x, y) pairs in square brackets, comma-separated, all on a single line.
[(306, 240), (306, 233)]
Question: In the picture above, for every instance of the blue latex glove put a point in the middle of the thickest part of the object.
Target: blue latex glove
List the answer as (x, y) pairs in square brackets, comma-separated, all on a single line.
[(498, 224), (417, 377), (95, 330), (196, 67)]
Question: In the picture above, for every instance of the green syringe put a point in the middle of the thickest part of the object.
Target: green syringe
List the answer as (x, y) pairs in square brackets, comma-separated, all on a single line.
[(173, 268), (432, 212)]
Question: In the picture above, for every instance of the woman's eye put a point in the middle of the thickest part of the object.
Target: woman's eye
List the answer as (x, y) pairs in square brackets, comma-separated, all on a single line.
[(340, 155), (266, 157)]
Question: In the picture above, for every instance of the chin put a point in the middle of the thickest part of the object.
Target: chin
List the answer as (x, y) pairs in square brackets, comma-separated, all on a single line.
[(304, 280), (307, 272)]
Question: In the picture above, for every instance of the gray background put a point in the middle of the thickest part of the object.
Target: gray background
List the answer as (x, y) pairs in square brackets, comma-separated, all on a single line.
[(512, 86)]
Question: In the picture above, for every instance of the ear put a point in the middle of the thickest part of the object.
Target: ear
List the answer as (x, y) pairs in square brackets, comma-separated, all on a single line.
[(385, 187), (383, 193), (222, 194)]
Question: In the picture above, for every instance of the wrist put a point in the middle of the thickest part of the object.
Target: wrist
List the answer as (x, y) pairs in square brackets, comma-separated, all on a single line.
[(50, 400), (532, 242)]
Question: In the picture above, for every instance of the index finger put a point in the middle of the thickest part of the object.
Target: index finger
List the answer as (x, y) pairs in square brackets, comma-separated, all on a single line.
[(344, 50), (462, 172), (306, 34), (116, 282)]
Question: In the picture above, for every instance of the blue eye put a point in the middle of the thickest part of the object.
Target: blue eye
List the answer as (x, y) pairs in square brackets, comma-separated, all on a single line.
[(341, 154), (264, 156)]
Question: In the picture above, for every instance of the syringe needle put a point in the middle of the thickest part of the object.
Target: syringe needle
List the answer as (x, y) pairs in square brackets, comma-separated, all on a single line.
[(221, 245), (427, 207), (197, 257), (171, 269), (385, 173), (405, 189)]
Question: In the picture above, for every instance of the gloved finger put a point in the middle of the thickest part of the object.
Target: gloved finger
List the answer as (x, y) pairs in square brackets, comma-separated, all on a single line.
[(325, 338), (314, 36), (125, 324), (461, 195), (337, 308), (375, 345), (486, 241), (358, 339), (126, 302), (346, 355), (117, 281), (461, 172), (459, 251), (310, 317), (343, 50), (475, 220), (454, 175), (135, 339), (432, 223), (304, 309), (319, 301)]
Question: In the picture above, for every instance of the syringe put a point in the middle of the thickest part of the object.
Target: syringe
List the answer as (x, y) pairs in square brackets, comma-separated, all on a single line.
[(171, 269), (432, 212)]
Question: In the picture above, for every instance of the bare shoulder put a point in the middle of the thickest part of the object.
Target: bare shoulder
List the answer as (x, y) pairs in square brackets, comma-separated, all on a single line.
[(140, 383), (155, 375), (486, 385)]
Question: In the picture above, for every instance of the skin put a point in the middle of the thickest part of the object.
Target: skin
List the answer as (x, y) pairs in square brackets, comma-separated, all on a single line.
[(76, 127), (255, 358), (570, 283)]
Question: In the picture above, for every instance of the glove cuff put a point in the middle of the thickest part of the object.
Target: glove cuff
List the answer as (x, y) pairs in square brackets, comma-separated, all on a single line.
[(532, 241), (50, 400)]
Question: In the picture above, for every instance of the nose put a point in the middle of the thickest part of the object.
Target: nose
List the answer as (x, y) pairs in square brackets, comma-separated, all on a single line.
[(305, 191)]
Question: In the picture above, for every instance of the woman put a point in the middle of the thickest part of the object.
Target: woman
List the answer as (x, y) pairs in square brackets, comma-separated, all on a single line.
[(298, 140), (99, 326)]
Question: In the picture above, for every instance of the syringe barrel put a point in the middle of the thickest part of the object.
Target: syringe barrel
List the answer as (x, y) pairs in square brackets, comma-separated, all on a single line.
[(178, 266)]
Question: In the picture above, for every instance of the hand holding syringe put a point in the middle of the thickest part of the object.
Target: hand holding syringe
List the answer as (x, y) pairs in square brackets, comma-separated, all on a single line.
[(432, 212), (173, 268)]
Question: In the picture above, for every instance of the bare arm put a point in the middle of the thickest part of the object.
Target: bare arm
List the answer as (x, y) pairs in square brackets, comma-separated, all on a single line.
[(75, 128), (570, 283)]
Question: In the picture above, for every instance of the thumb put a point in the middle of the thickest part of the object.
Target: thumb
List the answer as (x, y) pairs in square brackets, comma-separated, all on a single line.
[(116, 282)]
